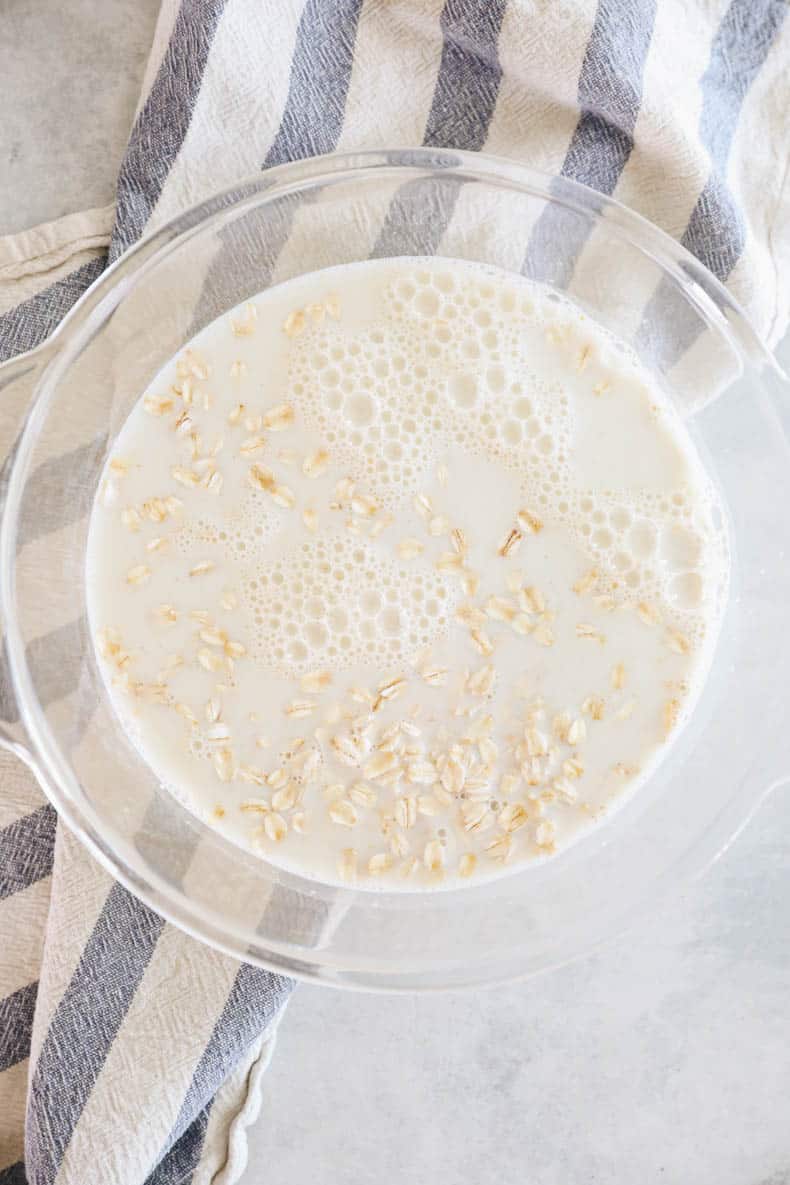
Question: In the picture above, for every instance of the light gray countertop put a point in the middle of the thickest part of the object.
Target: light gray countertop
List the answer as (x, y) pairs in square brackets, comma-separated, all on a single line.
[(69, 84), (663, 1060)]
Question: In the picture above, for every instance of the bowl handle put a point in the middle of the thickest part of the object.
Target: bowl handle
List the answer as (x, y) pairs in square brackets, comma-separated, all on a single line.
[(19, 380)]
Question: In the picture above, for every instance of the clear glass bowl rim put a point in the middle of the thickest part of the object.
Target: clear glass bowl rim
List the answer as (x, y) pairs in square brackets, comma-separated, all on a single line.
[(40, 750)]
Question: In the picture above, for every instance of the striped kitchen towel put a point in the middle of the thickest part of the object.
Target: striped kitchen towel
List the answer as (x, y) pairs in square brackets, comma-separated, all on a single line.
[(129, 1054)]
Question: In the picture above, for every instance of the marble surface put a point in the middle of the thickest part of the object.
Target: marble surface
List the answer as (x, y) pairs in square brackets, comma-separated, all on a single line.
[(663, 1060), (69, 84)]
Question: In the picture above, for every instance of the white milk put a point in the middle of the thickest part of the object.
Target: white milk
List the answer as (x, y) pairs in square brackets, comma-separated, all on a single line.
[(404, 572)]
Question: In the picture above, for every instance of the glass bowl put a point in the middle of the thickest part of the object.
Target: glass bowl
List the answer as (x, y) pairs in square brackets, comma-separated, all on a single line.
[(76, 391)]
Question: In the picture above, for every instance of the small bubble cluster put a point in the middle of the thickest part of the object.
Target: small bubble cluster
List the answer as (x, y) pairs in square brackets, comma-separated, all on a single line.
[(244, 537), (647, 548), (337, 601), (456, 360), (444, 365)]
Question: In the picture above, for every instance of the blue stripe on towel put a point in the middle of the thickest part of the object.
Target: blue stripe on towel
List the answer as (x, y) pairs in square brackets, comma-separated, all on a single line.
[(715, 232), (85, 1025), (610, 96), (26, 850), (178, 1165), (164, 120), (16, 1025), (463, 104), (29, 323), (312, 120), (256, 998)]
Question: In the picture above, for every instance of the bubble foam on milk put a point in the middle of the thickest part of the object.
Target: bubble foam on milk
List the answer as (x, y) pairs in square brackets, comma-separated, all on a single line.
[(454, 362), (333, 601), (451, 365), (447, 395)]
